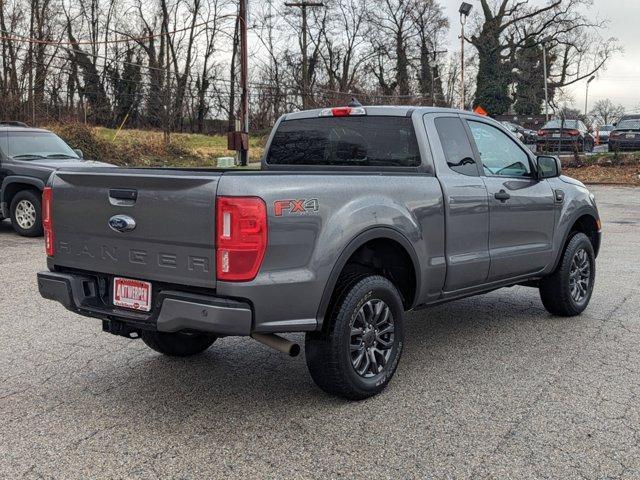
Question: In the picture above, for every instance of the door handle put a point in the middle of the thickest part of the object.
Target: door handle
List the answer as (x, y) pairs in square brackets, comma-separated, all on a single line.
[(502, 196), (123, 197)]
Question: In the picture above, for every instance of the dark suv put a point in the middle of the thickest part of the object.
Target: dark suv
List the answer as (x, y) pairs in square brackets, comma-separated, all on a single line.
[(28, 156)]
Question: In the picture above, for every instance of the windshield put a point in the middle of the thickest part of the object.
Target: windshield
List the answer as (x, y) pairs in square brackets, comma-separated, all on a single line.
[(606, 128), (33, 144), (560, 124), (631, 124)]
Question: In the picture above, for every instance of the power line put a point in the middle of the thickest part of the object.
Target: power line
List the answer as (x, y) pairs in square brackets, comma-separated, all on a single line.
[(21, 38)]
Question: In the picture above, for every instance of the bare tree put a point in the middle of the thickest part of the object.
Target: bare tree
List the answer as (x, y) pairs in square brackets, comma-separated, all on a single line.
[(431, 25), (605, 112), (392, 20), (345, 53)]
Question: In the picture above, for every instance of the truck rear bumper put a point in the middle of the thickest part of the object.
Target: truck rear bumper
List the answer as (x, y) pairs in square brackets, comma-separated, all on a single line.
[(175, 311)]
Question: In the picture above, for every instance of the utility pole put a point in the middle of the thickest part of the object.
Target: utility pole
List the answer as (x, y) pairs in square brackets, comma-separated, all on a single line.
[(434, 75), (306, 82), (544, 71), (586, 97), (244, 86)]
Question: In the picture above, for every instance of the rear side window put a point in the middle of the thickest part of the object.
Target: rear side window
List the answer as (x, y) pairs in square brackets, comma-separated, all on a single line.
[(363, 141), (456, 146)]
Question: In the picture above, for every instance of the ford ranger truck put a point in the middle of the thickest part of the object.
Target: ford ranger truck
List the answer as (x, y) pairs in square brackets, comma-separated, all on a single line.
[(358, 215)]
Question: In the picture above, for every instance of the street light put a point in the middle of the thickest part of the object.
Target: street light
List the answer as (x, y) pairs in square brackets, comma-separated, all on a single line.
[(465, 9), (586, 98)]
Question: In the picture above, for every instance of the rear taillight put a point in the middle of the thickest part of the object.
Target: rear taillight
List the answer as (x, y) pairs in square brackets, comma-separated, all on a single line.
[(573, 133), (241, 236), (47, 220), (541, 133), (614, 134)]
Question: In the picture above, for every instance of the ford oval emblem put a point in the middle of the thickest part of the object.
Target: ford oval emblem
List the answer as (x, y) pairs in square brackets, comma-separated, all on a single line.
[(122, 223)]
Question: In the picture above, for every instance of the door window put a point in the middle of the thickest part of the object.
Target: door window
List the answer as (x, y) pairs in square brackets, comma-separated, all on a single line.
[(500, 155), (456, 146)]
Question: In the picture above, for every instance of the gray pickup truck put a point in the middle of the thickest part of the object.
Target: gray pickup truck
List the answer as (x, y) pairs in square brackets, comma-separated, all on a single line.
[(358, 215)]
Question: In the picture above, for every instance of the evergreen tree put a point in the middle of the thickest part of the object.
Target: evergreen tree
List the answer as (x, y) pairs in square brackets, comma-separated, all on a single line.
[(529, 78)]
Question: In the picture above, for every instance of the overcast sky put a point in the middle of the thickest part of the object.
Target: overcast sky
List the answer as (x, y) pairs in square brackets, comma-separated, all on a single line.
[(621, 80)]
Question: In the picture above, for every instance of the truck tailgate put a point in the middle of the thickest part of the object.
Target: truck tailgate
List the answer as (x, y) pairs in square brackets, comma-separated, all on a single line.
[(172, 214)]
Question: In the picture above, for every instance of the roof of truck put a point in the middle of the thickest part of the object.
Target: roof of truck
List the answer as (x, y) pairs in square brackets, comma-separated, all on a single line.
[(383, 110)]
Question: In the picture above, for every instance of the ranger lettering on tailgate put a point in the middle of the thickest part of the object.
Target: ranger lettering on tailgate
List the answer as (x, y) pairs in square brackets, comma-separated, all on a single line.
[(135, 256)]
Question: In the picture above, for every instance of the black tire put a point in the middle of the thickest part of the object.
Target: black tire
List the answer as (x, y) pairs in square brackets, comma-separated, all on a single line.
[(556, 290), (329, 353), (30, 200), (177, 344)]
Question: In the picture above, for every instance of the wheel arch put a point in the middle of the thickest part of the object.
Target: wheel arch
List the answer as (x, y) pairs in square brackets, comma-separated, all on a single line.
[(584, 221), (15, 184), (383, 234)]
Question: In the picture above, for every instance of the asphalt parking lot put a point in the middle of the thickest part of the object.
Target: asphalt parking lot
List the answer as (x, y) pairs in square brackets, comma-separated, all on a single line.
[(489, 387)]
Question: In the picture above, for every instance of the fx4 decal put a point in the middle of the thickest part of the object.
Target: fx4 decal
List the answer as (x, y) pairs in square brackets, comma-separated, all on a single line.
[(299, 207)]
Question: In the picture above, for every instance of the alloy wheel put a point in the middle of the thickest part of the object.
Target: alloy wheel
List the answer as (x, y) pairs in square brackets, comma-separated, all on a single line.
[(580, 276), (25, 214), (372, 338)]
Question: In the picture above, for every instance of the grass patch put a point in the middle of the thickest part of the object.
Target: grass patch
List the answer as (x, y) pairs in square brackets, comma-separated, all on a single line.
[(193, 146), (148, 148)]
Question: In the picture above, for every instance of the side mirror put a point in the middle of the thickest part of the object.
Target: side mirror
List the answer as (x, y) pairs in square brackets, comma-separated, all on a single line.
[(548, 167), (78, 152)]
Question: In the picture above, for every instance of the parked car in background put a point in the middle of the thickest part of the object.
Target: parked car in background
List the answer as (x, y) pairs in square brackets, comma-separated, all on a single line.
[(530, 136), (565, 136), (27, 158), (358, 215), (626, 135), (524, 134), (517, 130), (602, 134)]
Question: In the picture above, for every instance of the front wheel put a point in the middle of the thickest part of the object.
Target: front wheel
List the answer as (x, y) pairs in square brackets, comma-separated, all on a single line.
[(568, 289), (357, 353), (26, 213), (177, 344)]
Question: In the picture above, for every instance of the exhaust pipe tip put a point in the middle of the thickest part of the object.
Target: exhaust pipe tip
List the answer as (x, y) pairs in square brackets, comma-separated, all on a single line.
[(277, 343), (294, 351)]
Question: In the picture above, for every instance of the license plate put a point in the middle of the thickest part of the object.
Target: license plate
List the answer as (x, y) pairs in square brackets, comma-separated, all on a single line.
[(134, 294), (556, 135), (631, 135)]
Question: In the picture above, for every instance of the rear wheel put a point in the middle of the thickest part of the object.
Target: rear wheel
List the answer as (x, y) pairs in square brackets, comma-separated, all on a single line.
[(358, 352), (567, 291), (177, 344), (26, 213)]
